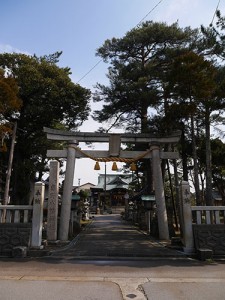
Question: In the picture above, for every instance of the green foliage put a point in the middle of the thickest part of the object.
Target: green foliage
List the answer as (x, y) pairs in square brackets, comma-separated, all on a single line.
[(213, 38), (83, 194), (50, 99), (218, 163), (10, 105), (172, 72), (193, 77), (134, 73)]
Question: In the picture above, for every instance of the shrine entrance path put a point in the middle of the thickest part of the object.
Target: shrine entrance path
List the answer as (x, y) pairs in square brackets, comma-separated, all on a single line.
[(109, 236)]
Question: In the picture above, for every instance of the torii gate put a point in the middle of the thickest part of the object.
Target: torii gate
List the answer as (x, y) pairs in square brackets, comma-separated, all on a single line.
[(114, 152)]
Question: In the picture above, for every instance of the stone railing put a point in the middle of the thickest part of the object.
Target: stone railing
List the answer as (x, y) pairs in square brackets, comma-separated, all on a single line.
[(16, 213), (208, 215), (208, 224), (21, 225), (203, 227), (15, 229)]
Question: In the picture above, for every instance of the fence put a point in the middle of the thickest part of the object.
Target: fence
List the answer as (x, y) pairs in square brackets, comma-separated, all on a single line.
[(208, 224), (16, 214), (203, 227), (208, 215), (21, 225)]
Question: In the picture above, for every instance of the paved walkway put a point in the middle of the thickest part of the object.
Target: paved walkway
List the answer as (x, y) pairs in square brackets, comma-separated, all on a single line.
[(110, 236)]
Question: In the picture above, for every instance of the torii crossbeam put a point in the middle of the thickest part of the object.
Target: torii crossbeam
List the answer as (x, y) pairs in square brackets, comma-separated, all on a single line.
[(72, 152)]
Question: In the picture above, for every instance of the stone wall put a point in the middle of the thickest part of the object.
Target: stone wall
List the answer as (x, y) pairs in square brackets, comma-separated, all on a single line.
[(210, 237), (13, 235)]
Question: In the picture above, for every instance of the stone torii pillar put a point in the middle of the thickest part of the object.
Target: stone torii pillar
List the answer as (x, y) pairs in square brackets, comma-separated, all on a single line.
[(53, 195), (159, 193), (67, 191), (114, 141)]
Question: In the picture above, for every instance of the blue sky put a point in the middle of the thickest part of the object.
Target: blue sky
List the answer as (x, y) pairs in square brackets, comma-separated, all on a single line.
[(79, 27)]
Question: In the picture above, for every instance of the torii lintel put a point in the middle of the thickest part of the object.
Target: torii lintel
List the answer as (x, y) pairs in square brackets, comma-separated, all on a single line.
[(60, 135)]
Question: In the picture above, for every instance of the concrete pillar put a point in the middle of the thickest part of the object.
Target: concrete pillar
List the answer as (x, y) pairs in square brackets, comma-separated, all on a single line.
[(188, 238), (53, 195), (67, 192), (37, 220), (159, 194)]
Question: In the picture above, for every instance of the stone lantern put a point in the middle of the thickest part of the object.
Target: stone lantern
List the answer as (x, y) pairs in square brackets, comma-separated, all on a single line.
[(149, 204)]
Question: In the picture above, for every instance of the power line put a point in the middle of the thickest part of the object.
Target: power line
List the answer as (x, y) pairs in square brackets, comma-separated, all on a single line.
[(215, 13), (134, 27), (149, 13), (90, 70)]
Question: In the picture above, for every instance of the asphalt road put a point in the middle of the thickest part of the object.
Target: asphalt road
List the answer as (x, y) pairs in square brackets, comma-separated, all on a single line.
[(67, 275), (110, 236), (54, 278)]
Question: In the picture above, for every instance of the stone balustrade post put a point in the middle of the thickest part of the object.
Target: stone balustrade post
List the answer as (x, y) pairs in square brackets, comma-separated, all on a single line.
[(188, 238), (53, 195), (37, 220)]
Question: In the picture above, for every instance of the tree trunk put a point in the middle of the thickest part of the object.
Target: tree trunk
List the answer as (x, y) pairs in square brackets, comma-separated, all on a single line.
[(184, 156), (195, 159), (172, 195), (208, 191), (177, 195), (9, 169)]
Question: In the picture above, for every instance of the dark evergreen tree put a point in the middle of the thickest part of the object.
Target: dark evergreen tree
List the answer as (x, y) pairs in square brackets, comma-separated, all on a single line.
[(49, 98)]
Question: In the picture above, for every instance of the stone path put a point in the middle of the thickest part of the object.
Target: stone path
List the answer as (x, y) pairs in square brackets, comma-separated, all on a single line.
[(110, 236)]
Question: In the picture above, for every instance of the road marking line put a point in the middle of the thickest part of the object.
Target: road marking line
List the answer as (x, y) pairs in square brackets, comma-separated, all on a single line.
[(124, 280), (183, 280), (10, 277)]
